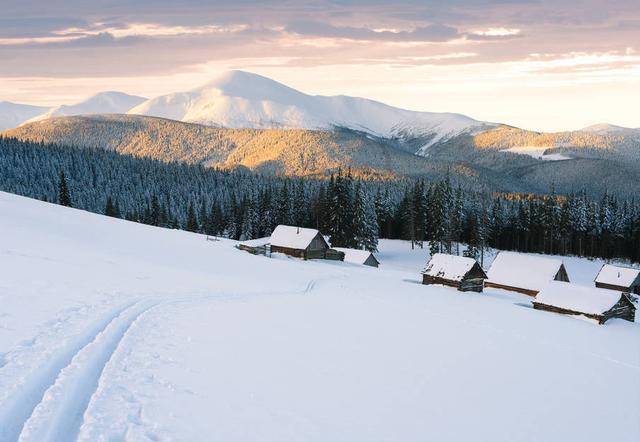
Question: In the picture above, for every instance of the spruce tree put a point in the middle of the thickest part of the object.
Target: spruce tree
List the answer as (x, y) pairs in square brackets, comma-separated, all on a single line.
[(154, 212), (110, 208), (192, 221), (370, 231), (64, 196)]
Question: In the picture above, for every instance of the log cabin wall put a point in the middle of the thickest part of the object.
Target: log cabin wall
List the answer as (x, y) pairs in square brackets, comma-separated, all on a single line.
[(528, 292), (466, 285), (551, 308), (471, 285), (623, 309), (618, 288), (298, 253), (371, 261), (318, 243), (429, 280), (562, 274)]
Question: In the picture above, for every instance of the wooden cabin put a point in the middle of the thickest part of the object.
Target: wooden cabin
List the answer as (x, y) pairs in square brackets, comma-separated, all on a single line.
[(302, 243), (527, 274), (355, 256), (259, 246), (460, 272), (618, 278), (590, 302)]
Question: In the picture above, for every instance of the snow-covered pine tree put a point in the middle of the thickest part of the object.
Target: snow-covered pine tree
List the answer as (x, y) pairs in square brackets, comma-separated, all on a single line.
[(371, 231), (340, 211), (419, 213), (364, 220)]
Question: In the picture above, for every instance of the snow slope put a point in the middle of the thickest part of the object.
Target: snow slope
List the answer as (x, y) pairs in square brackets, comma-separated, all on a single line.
[(14, 114), (537, 153), (111, 330), (610, 129), (238, 99), (102, 103)]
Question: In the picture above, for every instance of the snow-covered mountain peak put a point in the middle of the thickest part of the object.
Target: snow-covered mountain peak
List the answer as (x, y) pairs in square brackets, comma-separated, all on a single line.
[(606, 129), (110, 102), (251, 87), (13, 114), (239, 99)]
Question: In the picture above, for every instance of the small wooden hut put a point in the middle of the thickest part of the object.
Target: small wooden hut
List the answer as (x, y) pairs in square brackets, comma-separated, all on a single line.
[(301, 243), (522, 273), (355, 256), (590, 302), (623, 279), (460, 272), (259, 246)]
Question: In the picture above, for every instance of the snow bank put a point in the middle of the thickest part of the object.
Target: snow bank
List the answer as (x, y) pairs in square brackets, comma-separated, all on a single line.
[(523, 271), (450, 267), (590, 300), (615, 275)]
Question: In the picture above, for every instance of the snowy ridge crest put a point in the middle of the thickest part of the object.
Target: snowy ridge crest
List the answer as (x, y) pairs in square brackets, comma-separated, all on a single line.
[(240, 99)]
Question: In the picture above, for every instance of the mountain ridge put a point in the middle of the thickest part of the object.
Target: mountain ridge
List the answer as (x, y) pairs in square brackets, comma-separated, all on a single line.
[(14, 114), (239, 99), (102, 102), (484, 159)]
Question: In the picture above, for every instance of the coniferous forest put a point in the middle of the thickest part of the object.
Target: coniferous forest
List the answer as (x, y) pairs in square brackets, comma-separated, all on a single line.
[(355, 213)]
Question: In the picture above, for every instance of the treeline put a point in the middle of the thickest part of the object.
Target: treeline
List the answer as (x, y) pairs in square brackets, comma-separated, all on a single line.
[(353, 212), (551, 224), (235, 204)]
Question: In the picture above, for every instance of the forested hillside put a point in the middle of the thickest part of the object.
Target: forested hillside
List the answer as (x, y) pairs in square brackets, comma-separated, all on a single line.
[(353, 212), (293, 152), (595, 163)]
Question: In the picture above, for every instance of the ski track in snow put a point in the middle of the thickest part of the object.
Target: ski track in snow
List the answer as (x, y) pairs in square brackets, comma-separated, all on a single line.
[(50, 405)]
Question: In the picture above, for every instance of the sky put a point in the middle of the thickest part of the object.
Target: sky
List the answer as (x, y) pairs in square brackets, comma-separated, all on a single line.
[(537, 64)]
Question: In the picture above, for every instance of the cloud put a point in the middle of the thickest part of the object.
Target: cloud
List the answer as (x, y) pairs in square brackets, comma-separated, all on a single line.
[(29, 27), (116, 38), (428, 33), (494, 34), (71, 40)]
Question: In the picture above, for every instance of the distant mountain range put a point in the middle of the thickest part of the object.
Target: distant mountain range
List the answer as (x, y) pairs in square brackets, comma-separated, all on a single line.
[(242, 100), (14, 114), (246, 120)]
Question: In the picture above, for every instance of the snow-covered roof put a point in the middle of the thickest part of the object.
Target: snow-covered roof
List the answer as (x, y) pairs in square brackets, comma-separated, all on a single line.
[(292, 237), (523, 271), (450, 267), (620, 276), (591, 300), (256, 242), (354, 256)]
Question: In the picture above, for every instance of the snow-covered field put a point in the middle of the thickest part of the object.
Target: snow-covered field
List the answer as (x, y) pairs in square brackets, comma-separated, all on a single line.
[(538, 153), (111, 330)]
